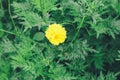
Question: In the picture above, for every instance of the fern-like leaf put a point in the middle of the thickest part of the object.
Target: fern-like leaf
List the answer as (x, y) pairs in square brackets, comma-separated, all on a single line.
[(80, 49), (28, 18), (118, 56), (7, 46), (44, 5)]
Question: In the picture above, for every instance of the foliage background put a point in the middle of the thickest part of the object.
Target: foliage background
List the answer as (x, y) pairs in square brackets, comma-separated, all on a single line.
[(90, 52)]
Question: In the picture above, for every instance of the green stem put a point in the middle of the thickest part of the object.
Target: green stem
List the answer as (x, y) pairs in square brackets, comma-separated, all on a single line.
[(9, 10), (2, 30), (79, 27), (76, 32), (7, 32), (44, 12)]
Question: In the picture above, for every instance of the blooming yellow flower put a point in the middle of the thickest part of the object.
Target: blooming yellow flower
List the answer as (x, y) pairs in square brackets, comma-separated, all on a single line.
[(56, 34)]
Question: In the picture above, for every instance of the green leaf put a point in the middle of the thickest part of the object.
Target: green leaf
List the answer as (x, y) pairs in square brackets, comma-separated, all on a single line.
[(39, 36), (43, 5), (98, 60), (116, 5), (28, 18), (118, 59)]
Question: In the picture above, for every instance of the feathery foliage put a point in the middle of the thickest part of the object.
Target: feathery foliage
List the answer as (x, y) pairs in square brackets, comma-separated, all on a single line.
[(91, 50)]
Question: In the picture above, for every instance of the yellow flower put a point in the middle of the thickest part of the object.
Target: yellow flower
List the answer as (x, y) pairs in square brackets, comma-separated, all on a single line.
[(56, 34)]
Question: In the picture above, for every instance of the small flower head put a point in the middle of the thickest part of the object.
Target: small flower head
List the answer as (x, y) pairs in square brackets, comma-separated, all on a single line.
[(56, 34)]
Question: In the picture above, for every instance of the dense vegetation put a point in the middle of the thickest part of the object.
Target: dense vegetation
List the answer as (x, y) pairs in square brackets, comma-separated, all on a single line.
[(91, 50)]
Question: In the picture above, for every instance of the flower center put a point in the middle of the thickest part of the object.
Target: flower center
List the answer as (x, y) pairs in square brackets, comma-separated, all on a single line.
[(56, 37)]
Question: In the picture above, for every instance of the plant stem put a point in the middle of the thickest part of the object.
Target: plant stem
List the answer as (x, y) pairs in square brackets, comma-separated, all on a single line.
[(9, 10), (76, 32), (7, 32), (79, 27)]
